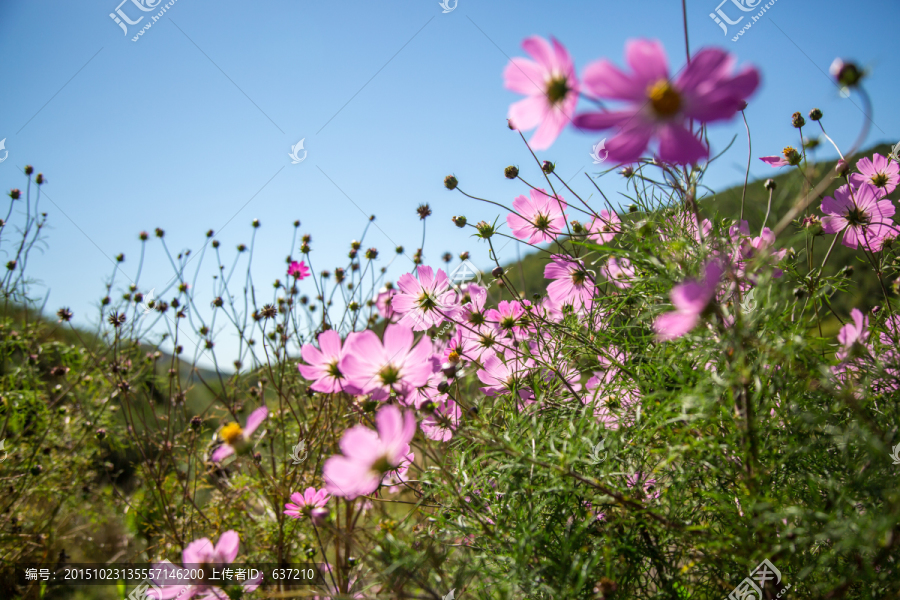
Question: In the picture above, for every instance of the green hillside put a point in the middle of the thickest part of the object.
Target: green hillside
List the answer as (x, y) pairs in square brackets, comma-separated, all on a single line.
[(726, 204)]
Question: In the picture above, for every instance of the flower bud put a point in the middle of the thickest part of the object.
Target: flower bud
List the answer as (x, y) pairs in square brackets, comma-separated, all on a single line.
[(815, 114), (459, 221), (399, 249), (29, 169), (372, 253), (799, 293), (797, 120), (842, 167), (450, 182), (497, 272), (846, 74), (511, 172), (463, 255), (547, 167), (847, 271), (485, 229), (627, 171), (632, 208), (15, 193), (443, 387)]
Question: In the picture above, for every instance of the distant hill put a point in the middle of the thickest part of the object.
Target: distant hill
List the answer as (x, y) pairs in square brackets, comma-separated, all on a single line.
[(726, 205)]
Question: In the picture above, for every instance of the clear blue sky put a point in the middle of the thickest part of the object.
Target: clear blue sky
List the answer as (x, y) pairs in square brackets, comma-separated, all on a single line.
[(190, 127)]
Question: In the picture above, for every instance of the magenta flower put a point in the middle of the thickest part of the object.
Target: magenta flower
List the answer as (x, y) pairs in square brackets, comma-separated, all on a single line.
[(550, 86), (481, 341), (605, 227), (395, 366), (459, 347), (237, 439), (613, 399), (690, 299), (298, 269), (746, 248), (704, 91), (540, 218), (854, 337), (310, 503), (199, 554), (368, 455), (864, 218), (879, 171), (426, 301), (789, 158), (324, 363), (620, 273), (573, 285)]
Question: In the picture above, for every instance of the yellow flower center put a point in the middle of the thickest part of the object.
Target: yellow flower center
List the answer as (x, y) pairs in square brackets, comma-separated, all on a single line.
[(665, 99), (231, 433)]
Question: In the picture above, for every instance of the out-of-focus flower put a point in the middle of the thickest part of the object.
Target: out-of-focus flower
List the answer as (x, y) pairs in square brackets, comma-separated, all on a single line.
[(619, 272), (604, 227), (310, 503), (690, 299), (439, 425), (298, 269), (369, 455), (550, 86), (704, 91), (645, 486), (236, 438)]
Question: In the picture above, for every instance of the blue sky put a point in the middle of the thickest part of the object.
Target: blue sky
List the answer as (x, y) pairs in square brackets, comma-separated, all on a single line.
[(190, 127)]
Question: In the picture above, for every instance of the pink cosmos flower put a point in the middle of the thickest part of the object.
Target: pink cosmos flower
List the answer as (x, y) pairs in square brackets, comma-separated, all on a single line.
[(378, 369), (440, 424), (746, 248), (237, 439), (854, 336), (551, 87), (646, 486), (324, 363), (789, 158), (298, 269), (460, 347), (614, 400), (310, 503), (879, 171), (605, 227), (690, 299), (426, 301), (199, 554), (573, 285), (426, 393), (620, 273), (861, 214), (704, 91), (506, 375), (540, 217), (368, 455), (507, 317), (481, 341)]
